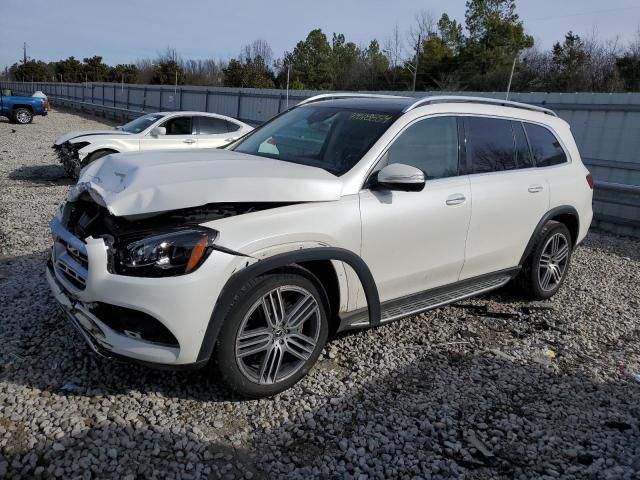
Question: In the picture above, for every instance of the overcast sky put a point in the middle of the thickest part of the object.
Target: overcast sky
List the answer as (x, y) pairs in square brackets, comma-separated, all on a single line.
[(122, 31)]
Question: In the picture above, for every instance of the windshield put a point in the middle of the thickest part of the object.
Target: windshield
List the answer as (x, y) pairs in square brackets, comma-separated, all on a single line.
[(141, 123), (331, 138)]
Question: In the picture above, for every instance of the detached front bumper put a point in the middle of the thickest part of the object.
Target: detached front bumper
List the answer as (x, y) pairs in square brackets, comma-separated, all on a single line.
[(92, 298)]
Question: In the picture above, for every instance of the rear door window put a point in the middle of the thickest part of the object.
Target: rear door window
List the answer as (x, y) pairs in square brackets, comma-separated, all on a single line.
[(545, 146), (490, 144), (213, 126)]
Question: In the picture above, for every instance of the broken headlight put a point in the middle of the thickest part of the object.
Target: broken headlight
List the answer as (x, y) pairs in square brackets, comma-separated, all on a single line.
[(167, 254)]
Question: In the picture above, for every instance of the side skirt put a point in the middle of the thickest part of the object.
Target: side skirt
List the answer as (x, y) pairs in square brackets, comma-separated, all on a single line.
[(430, 299)]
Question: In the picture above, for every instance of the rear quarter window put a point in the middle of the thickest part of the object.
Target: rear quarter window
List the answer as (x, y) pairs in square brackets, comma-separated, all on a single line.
[(545, 147)]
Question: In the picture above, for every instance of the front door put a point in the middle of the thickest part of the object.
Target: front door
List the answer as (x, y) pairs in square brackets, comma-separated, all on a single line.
[(179, 134), (415, 241)]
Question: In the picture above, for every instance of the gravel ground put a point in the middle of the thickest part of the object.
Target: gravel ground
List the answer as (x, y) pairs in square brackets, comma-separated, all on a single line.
[(490, 388)]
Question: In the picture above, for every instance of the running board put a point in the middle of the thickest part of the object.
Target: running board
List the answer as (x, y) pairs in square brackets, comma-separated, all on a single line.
[(423, 301)]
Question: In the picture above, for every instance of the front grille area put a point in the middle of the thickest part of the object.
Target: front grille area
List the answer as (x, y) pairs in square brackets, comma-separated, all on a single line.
[(71, 275), (78, 255), (69, 256)]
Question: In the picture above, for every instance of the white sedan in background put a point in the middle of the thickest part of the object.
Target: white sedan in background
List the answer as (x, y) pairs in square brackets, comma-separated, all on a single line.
[(154, 131)]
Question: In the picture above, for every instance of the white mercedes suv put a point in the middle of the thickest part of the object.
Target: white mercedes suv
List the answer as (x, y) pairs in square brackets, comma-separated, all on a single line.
[(346, 211)]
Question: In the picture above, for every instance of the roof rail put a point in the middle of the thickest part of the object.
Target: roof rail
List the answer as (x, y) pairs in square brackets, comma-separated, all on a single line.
[(332, 96), (481, 100)]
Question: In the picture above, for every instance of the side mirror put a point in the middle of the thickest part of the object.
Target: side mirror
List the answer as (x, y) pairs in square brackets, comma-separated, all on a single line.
[(399, 176), (156, 132)]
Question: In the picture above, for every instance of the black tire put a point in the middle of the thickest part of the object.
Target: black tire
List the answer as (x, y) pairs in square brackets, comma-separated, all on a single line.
[(231, 371), (22, 116), (531, 280), (92, 157)]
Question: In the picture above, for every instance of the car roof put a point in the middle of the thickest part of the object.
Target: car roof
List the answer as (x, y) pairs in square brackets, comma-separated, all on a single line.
[(378, 104), (399, 105)]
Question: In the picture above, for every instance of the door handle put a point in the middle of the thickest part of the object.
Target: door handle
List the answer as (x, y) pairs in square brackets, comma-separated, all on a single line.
[(456, 199), (535, 188), (189, 140), (230, 139)]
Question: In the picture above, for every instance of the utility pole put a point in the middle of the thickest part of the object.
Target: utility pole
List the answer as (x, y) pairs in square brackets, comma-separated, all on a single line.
[(288, 70), (24, 53), (414, 67), (513, 68)]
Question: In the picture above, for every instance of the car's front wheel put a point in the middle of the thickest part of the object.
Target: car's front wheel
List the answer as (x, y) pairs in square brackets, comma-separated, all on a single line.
[(22, 116), (546, 268), (274, 332), (76, 167)]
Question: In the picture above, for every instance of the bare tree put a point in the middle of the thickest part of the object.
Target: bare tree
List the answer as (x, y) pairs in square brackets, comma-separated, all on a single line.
[(204, 72), (634, 47), (258, 48), (600, 69), (394, 48), (424, 26), (145, 69), (169, 55)]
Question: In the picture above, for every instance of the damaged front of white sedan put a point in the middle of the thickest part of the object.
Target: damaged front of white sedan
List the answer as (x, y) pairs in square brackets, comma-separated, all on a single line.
[(153, 131)]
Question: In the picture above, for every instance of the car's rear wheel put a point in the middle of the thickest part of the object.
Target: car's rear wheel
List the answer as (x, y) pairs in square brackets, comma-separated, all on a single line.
[(546, 268), (22, 116), (273, 334)]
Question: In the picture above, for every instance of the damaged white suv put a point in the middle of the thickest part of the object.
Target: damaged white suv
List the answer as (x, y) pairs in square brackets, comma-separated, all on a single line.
[(347, 211)]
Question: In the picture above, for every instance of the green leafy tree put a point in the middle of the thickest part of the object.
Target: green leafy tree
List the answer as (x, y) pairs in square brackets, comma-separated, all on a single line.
[(345, 56), (376, 65), (250, 73), (567, 64), (435, 62), (167, 72), (628, 67), (312, 61), (233, 74), (496, 36), (450, 32), (69, 70), (33, 70), (95, 70), (127, 73)]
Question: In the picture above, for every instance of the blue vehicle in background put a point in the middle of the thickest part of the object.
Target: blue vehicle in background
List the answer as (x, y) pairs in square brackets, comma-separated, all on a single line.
[(21, 109)]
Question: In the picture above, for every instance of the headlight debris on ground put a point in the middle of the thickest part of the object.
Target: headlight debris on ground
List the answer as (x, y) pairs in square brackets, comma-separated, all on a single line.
[(494, 387)]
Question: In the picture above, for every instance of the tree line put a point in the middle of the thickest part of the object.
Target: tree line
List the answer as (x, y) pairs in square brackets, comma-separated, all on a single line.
[(435, 53)]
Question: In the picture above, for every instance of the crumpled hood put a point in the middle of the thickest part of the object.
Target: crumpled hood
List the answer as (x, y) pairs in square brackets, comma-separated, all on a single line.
[(86, 133), (148, 182)]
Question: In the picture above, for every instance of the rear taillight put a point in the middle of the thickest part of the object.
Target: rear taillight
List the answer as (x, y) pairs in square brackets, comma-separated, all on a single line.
[(590, 181)]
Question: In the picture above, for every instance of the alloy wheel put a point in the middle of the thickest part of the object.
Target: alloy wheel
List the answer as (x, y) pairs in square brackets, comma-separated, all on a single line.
[(278, 335), (553, 261), (23, 117)]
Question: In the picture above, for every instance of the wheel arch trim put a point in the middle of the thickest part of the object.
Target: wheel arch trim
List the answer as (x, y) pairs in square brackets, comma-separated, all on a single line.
[(238, 279), (550, 215)]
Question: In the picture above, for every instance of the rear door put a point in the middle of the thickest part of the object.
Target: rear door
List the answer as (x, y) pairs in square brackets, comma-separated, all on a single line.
[(510, 195), (215, 132), (180, 134), (415, 241)]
